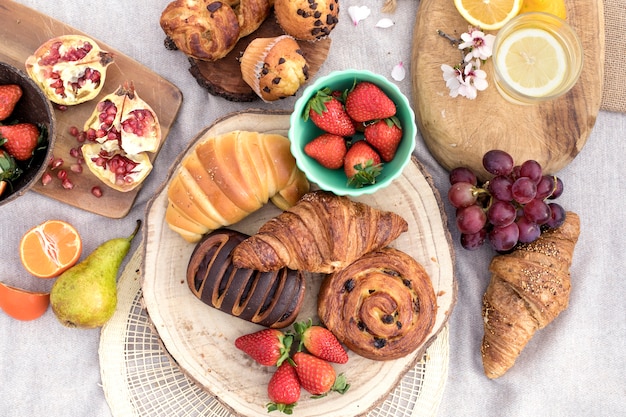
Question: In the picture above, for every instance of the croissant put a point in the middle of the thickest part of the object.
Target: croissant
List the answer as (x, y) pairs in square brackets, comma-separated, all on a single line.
[(272, 299), (208, 30), (529, 288), (322, 233), (382, 306), (224, 178)]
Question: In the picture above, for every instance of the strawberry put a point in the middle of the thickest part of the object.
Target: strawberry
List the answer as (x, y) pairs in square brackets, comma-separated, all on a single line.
[(9, 96), (367, 102), (327, 149), (385, 136), (269, 347), (20, 140), (362, 164), (318, 376), (283, 389), (327, 113), (320, 342)]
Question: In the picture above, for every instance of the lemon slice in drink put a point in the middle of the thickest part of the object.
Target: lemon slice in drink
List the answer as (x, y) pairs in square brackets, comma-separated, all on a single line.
[(532, 61), (488, 14)]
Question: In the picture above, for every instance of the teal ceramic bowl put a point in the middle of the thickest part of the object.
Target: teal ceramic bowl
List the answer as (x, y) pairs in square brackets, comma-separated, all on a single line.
[(301, 132)]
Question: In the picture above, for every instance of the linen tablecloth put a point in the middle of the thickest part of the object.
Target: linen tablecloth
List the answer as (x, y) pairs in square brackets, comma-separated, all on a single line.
[(574, 367)]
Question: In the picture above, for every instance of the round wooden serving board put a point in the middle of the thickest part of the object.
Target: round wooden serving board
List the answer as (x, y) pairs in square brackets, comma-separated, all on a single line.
[(458, 131), (201, 338), (211, 75)]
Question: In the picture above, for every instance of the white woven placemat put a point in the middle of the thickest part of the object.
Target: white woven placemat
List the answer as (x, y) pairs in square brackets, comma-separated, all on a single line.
[(140, 379)]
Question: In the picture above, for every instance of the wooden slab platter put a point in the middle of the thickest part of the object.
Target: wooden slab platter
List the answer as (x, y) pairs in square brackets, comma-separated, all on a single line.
[(459, 131), (210, 75), (200, 338), (22, 31)]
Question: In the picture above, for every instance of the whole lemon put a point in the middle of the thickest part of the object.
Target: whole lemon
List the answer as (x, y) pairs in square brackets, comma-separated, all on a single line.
[(555, 7)]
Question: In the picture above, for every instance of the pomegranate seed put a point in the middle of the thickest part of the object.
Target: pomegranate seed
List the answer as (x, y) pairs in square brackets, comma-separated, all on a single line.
[(62, 174), (56, 163), (74, 131), (77, 168), (67, 184), (46, 178), (96, 191)]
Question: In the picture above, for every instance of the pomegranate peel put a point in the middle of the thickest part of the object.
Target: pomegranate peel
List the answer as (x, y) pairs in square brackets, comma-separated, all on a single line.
[(22, 304), (118, 170), (70, 69)]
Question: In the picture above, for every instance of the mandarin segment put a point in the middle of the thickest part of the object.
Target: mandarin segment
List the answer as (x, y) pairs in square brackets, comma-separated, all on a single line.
[(50, 248)]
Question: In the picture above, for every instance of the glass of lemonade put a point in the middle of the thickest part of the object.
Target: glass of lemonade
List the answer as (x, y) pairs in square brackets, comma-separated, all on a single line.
[(536, 57)]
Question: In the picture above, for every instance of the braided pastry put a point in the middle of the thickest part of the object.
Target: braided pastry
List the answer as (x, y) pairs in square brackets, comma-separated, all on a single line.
[(271, 299), (208, 30), (382, 306)]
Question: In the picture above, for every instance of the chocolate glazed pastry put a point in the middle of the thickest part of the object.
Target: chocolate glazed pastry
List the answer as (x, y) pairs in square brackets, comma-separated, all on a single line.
[(271, 299), (382, 306)]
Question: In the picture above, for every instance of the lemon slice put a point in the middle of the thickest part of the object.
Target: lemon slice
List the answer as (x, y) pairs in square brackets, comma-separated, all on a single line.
[(532, 61), (488, 14)]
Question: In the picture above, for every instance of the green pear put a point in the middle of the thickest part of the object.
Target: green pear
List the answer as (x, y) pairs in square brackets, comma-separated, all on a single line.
[(85, 296)]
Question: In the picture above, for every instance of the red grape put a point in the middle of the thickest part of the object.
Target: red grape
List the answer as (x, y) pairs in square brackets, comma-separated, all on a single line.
[(462, 174), (461, 194), (501, 213), (500, 188), (470, 219), (523, 190), (537, 211), (498, 162), (504, 238), (529, 231), (545, 186), (531, 169), (473, 241), (558, 189), (557, 215)]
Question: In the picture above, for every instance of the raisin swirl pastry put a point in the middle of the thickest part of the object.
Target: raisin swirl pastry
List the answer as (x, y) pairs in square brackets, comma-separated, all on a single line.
[(382, 306), (271, 299)]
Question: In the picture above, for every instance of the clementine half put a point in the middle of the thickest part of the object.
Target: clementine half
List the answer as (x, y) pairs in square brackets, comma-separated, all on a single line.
[(50, 248)]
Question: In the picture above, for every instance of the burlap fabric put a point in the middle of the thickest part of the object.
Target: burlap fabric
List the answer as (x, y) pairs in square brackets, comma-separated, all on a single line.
[(614, 87)]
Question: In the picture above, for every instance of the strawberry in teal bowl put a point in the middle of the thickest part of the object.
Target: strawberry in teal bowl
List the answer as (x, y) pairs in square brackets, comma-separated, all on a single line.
[(352, 132), (27, 133)]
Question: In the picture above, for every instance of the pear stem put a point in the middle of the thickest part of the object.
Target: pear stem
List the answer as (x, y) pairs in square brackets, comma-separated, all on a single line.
[(132, 236)]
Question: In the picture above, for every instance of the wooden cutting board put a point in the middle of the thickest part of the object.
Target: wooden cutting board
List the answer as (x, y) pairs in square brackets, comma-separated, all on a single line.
[(210, 75), (22, 31), (200, 338), (459, 131)]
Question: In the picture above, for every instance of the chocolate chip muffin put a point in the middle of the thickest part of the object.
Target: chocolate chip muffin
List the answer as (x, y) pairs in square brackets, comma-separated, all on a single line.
[(308, 20), (274, 68)]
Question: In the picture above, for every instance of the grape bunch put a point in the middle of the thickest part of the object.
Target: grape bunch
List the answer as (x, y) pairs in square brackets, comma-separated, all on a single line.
[(513, 207)]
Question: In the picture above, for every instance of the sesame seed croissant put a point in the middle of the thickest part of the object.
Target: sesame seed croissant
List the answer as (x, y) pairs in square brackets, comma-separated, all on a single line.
[(529, 288)]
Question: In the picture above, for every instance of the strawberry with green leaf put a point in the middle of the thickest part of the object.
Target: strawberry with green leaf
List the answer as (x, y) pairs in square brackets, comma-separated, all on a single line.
[(326, 111), (20, 140), (9, 170), (283, 389), (327, 149), (9, 96), (385, 136), (362, 164), (269, 347), (366, 102), (318, 376), (321, 342)]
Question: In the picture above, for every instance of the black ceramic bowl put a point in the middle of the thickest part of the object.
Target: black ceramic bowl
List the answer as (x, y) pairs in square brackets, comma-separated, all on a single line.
[(35, 108)]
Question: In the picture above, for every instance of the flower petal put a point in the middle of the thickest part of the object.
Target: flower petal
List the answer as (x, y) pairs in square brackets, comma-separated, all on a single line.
[(398, 72), (358, 13), (385, 23)]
